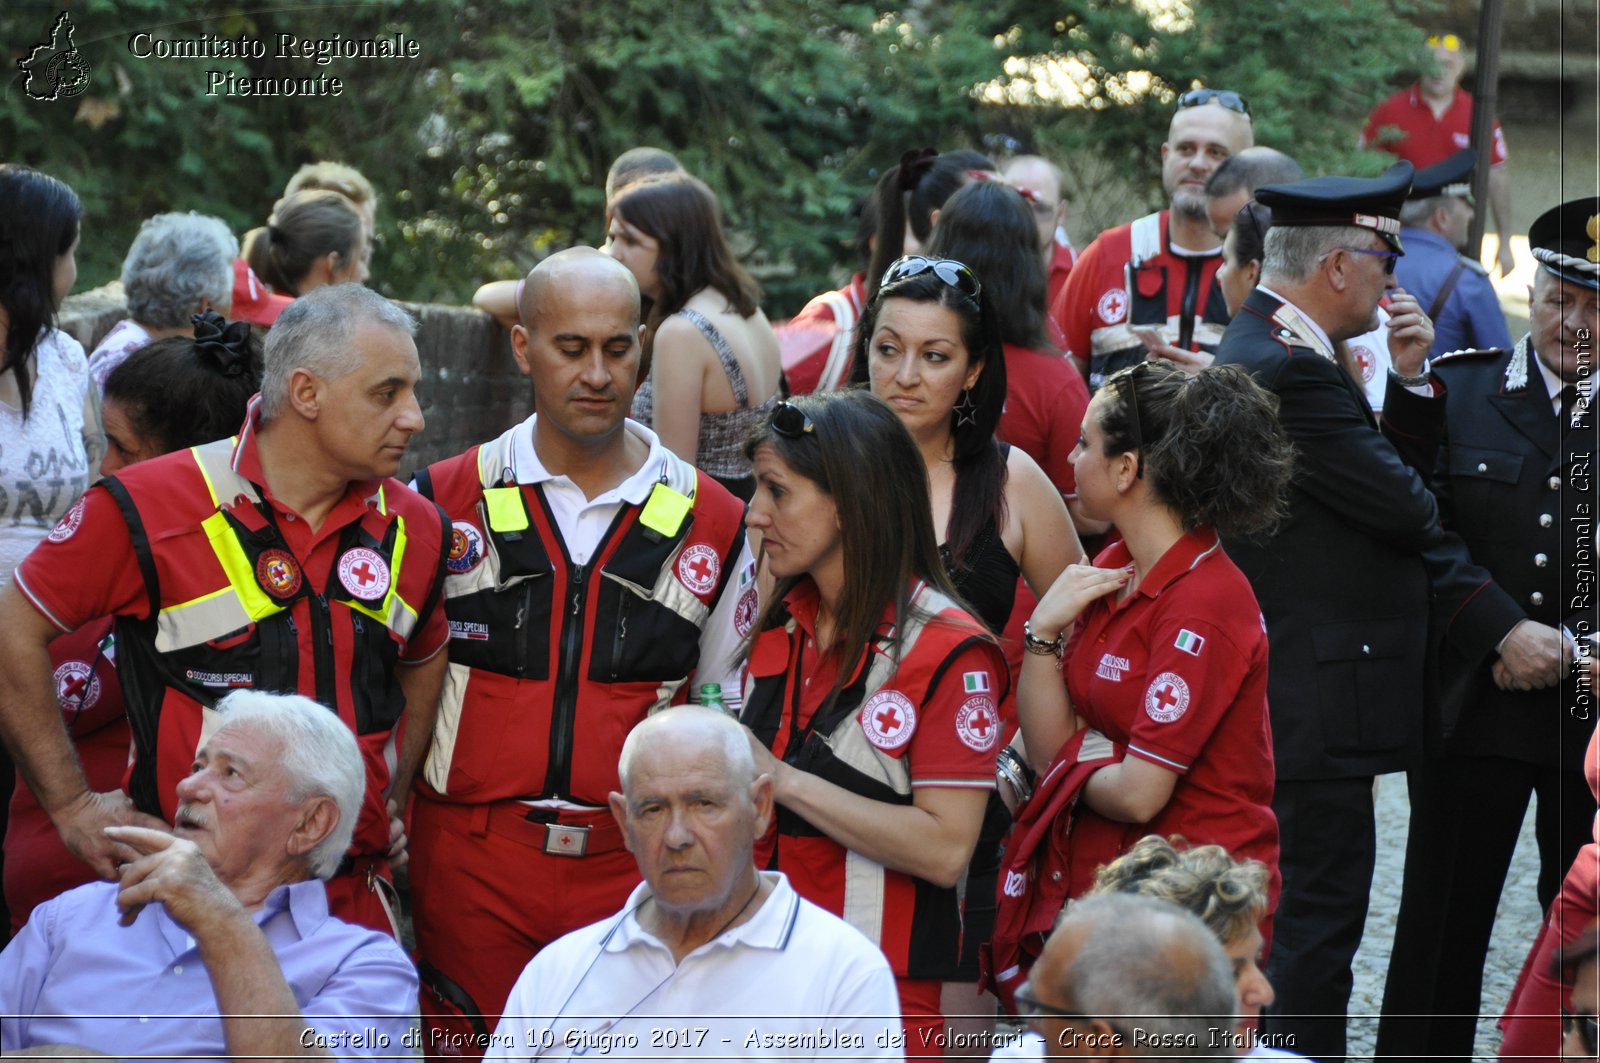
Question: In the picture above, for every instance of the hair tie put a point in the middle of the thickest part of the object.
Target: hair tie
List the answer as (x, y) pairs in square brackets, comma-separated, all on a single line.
[(223, 344), (914, 164), (274, 233)]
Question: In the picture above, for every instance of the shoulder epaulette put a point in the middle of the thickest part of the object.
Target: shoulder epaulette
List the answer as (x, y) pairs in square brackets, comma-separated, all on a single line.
[(1474, 265), (1465, 353)]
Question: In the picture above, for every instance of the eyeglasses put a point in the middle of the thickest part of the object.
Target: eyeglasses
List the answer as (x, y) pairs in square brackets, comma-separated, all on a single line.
[(1127, 381), (956, 274), (1389, 257), (1032, 1011), (1229, 99), (791, 422), (1588, 1027), (1448, 41)]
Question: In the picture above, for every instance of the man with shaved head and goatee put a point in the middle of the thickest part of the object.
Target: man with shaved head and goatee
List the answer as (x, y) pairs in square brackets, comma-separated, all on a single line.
[(592, 575)]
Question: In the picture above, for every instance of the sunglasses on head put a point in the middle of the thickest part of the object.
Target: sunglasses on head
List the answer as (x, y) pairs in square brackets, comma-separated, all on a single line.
[(1127, 380), (1226, 97), (955, 274), (791, 422)]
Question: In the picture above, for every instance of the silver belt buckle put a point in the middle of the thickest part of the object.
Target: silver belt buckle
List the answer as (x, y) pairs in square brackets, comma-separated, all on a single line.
[(563, 840)]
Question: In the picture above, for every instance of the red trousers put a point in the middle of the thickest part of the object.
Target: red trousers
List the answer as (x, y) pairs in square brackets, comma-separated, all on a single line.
[(486, 896), (1532, 1022)]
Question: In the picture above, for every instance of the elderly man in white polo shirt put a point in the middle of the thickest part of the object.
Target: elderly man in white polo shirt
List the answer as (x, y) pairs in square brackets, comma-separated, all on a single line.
[(709, 958)]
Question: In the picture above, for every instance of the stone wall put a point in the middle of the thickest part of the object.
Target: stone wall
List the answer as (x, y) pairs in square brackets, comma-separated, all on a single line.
[(471, 388)]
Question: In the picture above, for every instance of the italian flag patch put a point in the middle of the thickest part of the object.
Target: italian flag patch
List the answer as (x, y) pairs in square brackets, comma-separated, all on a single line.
[(975, 682), (1189, 642)]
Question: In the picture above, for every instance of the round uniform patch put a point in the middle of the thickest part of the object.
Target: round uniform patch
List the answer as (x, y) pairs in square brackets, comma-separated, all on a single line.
[(466, 547), (978, 723), (744, 613), (1113, 306), (364, 573), (1366, 361), (278, 573), (1166, 698), (698, 568), (889, 719), (67, 526), (77, 687)]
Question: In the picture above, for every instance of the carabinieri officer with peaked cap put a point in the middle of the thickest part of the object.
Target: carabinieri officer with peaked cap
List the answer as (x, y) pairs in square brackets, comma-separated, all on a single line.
[(1345, 583), (1514, 481)]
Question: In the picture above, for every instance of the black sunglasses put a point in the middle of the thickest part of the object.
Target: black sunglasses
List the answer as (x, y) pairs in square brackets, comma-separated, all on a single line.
[(790, 422), (1031, 1010), (956, 274), (1127, 380), (1228, 98), (1588, 1027), (1389, 257)]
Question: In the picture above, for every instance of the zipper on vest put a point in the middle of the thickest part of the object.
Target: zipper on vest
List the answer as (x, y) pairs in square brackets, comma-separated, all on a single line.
[(620, 636), (521, 637), (558, 779), (1191, 296), (322, 651)]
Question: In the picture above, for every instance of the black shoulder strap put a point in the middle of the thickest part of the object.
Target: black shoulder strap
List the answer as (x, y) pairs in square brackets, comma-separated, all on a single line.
[(1446, 288), (422, 483), (141, 539)]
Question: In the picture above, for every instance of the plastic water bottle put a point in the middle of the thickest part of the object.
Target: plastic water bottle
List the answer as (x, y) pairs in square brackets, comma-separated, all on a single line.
[(711, 697)]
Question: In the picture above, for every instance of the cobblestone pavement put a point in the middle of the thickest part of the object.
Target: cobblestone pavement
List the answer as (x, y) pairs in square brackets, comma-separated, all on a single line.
[(1515, 926)]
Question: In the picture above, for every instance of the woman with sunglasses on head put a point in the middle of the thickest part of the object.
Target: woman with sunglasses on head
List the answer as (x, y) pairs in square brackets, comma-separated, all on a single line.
[(932, 346), (872, 694), (1159, 647), (711, 363)]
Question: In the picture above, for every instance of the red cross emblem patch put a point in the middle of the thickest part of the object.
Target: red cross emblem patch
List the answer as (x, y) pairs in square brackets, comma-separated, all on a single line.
[(278, 573), (77, 687), (744, 613), (889, 719), (364, 573), (67, 526), (1166, 698), (978, 723), (1113, 306), (698, 568), (1366, 361)]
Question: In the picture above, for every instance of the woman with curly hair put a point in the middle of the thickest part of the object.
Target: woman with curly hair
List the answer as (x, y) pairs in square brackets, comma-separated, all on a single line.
[(1159, 647), (1229, 896)]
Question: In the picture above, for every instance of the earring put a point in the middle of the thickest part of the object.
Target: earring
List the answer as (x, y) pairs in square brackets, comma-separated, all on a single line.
[(966, 412)]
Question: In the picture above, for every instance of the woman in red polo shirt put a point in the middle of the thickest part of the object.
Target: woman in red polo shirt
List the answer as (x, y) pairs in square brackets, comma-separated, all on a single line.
[(1160, 646), (872, 694)]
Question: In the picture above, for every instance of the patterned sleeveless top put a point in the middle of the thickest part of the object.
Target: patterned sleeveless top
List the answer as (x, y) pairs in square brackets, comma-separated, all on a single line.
[(722, 435)]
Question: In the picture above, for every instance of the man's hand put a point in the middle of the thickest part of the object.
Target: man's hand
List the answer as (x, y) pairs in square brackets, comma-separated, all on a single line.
[(399, 854), (1533, 657), (171, 870), (1410, 333), (1190, 362), (83, 822)]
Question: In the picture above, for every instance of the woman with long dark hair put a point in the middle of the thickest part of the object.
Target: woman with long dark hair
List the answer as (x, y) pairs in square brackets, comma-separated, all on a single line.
[(50, 436), (872, 694), (711, 359)]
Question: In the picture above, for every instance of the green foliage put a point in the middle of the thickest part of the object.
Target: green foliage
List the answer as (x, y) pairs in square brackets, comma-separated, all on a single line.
[(491, 149)]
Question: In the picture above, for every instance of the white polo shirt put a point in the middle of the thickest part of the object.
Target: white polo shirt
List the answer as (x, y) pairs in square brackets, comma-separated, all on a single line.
[(795, 982)]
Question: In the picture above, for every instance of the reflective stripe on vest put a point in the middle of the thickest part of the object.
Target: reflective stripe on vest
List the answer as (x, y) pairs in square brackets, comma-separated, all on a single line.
[(243, 601)]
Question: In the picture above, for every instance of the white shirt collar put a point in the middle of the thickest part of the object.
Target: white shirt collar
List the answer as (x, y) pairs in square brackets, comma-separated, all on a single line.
[(769, 928), (1552, 383), (527, 468)]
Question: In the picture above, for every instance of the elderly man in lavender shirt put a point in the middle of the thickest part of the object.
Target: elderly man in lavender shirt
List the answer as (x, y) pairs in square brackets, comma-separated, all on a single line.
[(217, 941)]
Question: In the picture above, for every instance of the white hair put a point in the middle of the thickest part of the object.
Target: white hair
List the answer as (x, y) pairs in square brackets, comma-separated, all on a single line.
[(320, 757), (176, 261), (314, 333), (739, 766)]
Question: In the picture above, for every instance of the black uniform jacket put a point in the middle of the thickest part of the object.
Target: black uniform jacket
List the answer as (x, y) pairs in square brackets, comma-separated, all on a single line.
[(1346, 582)]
